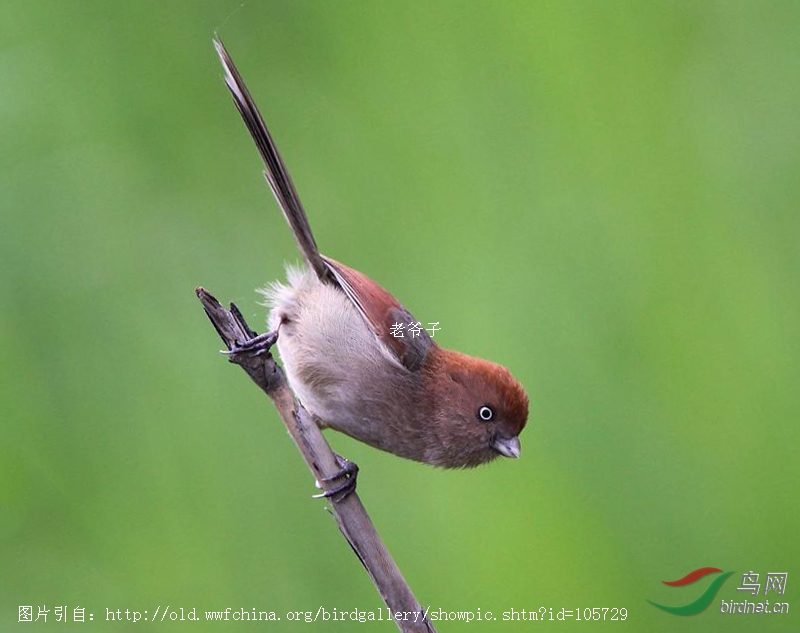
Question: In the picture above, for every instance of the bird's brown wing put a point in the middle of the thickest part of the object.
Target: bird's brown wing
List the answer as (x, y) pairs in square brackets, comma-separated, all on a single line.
[(382, 311)]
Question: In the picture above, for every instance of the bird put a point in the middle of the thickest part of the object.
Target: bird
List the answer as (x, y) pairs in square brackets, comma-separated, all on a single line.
[(336, 333)]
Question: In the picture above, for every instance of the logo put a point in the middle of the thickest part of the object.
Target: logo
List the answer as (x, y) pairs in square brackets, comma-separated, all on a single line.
[(701, 603)]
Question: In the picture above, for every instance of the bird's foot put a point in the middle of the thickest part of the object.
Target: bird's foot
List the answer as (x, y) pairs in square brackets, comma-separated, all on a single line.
[(348, 473), (257, 346)]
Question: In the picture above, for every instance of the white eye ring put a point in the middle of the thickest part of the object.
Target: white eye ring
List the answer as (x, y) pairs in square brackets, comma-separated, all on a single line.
[(486, 414)]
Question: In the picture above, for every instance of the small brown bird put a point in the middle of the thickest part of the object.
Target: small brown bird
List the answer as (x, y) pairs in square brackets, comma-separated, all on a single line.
[(405, 395)]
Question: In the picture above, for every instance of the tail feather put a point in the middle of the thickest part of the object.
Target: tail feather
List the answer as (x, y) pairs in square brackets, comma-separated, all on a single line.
[(276, 173)]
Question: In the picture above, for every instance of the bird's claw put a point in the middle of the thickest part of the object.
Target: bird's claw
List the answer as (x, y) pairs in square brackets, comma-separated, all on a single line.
[(348, 473), (256, 346)]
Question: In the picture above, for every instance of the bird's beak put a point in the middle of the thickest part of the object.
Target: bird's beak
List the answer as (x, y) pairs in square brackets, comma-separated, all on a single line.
[(506, 446)]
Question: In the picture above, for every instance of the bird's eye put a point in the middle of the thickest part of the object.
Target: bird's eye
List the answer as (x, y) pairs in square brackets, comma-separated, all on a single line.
[(486, 414)]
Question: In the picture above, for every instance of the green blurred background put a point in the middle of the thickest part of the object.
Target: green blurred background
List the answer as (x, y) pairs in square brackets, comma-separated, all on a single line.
[(602, 196)]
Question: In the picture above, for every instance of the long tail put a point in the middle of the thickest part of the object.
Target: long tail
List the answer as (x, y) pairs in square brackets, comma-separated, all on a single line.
[(276, 173)]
